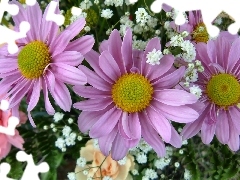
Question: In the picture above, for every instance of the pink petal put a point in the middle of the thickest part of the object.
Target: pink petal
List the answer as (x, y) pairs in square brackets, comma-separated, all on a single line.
[(105, 142), (233, 142), (21, 14), (134, 126), (76, 27), (50, 78), (235, 117), (151, 136), (175, 140), (109, 65), (119, 150), (127, 50), (104, 46), (87, 119), (181, 114), (94, 79), (48, 104), (123, 126), (93, 104), (90, 92), (222, 127), (157, 71), (92, 57), (174, 97), (234, 55), (34, 17), (68, 74), (160, 124), (35, 94), (7, 65), (61, 95), (106, 123), (207, 132), (153, 43), (71, 58), (83, 44), (115, 44), (170, 80), (49, 29), (211, 50)]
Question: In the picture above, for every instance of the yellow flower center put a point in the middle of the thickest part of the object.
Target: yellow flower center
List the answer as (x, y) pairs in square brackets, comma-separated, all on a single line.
[(33, 59), (200, 33), (223, 90), (132, 92)]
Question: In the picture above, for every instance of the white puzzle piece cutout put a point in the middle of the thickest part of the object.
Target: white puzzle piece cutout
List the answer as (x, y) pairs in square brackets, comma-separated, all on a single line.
[(10, 36), (10, 129), (4, 170), (210, 10), (51, 16), (76, 11), (31, 171)]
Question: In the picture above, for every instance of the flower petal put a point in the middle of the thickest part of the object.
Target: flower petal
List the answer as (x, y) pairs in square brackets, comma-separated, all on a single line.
[(126, 50), (68, 74), (181, 114), (47, 102), (151, 136), (94, 79), (174, 97), (119, 150), (207, 132), (93, 104), (159, 123), (109, 65), (233, 142), (90, 92), (105, 142), (235, 117), (106, 123), (222, 127), (175, 140), (71, 58), (170, 80), (83, 44), (234, 55), (35, 94)]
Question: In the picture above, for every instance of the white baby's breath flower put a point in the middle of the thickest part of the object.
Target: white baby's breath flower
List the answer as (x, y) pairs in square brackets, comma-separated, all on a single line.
[(81, 161), (71, 176), (142, 16), (58, 116), (70, 120), (154, 57), (60, 143), (176, 164), (196, 91), (107, 13), (187, 175), (141, 158), (66, 131)]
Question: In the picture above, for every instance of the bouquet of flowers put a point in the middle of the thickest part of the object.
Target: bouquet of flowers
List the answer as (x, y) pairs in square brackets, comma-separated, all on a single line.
[(119, 92)]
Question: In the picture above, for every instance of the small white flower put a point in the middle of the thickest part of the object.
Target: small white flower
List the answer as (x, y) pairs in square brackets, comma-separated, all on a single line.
[(66, 131), (142, 16), (122, 161), (144, 146), (79, 138), (184, 142), (154, 57), (54, 129), (87, 28), (58, 116), (45, 127), (184, 34), (69, 141), (81, 161), (176, 164), (118, 3), (218, 21), (141, 158), (157, 32), (52, 125), (86, 4), (187, 175), (60, 143), (70, 120), (134, 172), (196, 91), (151, 174), (71, 176), (85, 172), (145, 178), (96, 1), (107, 13), (64, 149), (176, 40), (162, 176), (180, 151)]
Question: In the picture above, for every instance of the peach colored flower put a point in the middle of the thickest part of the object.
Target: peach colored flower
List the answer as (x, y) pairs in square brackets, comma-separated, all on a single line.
[(109, 167), (6, 141)]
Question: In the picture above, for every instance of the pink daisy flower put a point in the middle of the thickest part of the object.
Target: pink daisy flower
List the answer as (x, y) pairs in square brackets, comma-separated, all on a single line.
[(45, 60), (221, 92), (6, 141), (130, 99)]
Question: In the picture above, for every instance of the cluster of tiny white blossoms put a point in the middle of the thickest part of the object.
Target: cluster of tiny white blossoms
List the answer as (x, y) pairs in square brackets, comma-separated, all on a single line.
[(187, 175), (71, 176), (85, 4), (107, 13), (161, 163), (115, 3), (154, 57), (142, 16), (150, 174)]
